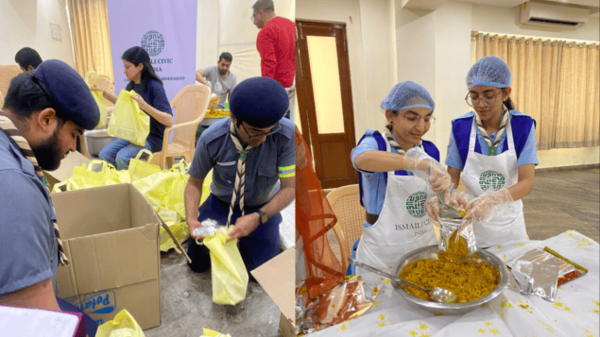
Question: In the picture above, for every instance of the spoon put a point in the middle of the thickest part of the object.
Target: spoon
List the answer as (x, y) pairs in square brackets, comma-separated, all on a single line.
[(437, 294), (447, 211)]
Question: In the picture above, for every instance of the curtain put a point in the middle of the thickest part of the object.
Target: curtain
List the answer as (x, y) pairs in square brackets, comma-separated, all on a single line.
[(554, 81), (91, 37)]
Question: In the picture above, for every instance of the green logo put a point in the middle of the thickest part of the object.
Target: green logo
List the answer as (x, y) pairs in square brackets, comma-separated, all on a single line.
[(415, 204), (491, 179)]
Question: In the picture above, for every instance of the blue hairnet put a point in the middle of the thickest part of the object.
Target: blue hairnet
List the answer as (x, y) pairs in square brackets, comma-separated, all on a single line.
[(489, 71), (407, 95)]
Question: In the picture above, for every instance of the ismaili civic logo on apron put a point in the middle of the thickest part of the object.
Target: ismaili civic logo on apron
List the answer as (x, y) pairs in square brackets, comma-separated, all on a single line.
[(415, 204), (491, 179)]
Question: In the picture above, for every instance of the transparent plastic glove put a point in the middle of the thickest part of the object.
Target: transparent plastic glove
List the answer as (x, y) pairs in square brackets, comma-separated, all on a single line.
[(482, 208), (428, 169), (457, 199), (433, 208)]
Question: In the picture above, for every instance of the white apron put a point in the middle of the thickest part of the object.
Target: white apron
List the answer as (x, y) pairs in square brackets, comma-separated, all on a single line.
[(403, 224), (485, 175)]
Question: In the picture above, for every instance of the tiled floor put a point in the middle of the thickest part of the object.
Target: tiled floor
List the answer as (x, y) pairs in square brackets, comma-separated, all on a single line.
[(562, 200)]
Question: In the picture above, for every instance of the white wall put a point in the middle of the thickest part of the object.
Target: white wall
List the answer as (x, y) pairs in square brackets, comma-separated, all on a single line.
[(225, 26), (378, 53), (26, 23), (452, 63), (434, 50), (415, 38), (207, 42)]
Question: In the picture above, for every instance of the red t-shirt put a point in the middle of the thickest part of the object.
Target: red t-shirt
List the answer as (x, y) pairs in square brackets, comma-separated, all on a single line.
[(276, 44)]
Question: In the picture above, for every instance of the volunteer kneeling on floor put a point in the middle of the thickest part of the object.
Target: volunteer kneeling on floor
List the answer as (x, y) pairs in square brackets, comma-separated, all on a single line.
[(43, 114), (257, 145)]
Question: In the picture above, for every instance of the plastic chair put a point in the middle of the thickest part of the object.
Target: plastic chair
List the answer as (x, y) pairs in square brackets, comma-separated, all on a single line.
[(105, 83), (7, 72), (190, 106), (350, 214)]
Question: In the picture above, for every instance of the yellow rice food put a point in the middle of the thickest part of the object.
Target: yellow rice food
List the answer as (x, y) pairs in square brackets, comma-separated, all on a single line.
[(217, 113), (470, 280)]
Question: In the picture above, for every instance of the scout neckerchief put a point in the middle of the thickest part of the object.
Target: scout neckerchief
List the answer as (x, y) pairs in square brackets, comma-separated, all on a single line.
[(493, 147), (387, 132), (17, 136), (240, 177)]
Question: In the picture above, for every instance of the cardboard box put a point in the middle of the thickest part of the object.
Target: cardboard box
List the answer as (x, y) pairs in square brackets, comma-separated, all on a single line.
[(281, 289), (65, 171), (111, 236)]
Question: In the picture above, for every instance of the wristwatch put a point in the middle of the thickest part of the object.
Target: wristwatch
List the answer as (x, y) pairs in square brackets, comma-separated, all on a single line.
[(263, 217)]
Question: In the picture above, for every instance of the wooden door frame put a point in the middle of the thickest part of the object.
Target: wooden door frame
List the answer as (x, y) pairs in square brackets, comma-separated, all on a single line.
[(304, 88)]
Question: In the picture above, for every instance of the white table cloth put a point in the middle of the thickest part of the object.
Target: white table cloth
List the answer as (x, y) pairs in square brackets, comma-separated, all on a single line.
[(574, 313)]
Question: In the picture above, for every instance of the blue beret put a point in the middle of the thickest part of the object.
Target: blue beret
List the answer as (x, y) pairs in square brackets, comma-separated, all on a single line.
[(259, 101), (70, 93)]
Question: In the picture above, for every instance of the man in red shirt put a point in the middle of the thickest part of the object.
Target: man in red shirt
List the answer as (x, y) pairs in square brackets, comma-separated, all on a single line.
[(276, 43)]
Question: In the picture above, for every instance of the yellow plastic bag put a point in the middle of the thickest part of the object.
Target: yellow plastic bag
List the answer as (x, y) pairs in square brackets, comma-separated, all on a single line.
[(211, 333), (92, 77), (128, 121), (206, 187), (229, 274), (139, 168), (96, 174), (178, 227), (123, 325)]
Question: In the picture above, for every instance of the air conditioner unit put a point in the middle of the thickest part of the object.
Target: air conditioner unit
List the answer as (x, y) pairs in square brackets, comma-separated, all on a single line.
[(557, 16)]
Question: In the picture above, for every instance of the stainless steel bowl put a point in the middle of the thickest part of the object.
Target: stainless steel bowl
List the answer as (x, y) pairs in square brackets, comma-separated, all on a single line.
[(431, 252), (96, 140)]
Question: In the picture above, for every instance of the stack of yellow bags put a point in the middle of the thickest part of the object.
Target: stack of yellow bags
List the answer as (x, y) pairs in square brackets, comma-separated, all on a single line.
[(164, 189)]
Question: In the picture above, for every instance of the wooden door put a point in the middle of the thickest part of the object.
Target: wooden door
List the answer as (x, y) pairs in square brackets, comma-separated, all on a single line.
[(325, 100)]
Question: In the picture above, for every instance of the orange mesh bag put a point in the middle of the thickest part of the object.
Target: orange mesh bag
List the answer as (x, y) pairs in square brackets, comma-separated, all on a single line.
[(314, 217)]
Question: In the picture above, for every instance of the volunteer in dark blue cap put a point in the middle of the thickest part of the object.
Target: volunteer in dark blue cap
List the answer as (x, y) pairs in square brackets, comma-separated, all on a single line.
[(43, 114), (252, 154)]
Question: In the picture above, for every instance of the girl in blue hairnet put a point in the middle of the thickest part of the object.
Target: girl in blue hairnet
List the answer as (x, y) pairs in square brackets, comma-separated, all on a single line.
[(494, 148), (394, 198)]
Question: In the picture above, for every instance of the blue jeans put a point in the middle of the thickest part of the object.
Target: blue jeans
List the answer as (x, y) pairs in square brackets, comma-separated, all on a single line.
[(120, 151)]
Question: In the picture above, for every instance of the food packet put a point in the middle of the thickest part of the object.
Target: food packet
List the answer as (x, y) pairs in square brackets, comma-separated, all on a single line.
[(345, 302), (450, 226), (539, 272), (209, 227)]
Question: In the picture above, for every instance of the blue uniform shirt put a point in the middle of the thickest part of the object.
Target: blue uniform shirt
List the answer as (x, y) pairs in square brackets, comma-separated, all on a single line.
[(374, 183), (272, 159), (528, 154), (28, 247)]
